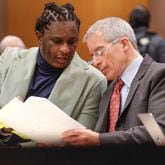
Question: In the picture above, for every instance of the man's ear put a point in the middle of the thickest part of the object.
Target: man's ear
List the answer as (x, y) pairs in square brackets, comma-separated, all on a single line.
[(124, 41)]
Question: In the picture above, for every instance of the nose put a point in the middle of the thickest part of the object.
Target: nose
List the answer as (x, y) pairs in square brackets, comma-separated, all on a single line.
[(96, 63), (93, 60), (65, 48), (96, 60)]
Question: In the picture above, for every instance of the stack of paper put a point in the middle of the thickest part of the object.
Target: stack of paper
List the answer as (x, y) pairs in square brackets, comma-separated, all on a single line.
[(38, 119)]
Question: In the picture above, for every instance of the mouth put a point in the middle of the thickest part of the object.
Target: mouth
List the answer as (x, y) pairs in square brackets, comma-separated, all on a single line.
[(104, 70), (63, 59)]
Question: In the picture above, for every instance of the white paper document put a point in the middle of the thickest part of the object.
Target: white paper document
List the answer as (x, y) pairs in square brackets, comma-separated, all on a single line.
[(153, 128), (38, 119)]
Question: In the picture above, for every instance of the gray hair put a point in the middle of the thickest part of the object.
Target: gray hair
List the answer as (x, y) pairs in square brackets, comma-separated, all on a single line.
[(112, 28)]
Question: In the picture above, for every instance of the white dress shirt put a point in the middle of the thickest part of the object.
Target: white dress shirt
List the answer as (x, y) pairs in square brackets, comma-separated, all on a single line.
[(127, 77)]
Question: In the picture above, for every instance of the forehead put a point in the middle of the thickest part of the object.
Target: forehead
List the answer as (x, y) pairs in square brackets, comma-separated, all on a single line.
[(68, 28), (96, 40)]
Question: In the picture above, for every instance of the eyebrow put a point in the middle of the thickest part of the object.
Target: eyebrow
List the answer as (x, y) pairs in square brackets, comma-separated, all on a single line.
[(98, 48)]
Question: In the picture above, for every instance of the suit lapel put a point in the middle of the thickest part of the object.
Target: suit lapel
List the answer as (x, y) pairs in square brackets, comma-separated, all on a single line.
[(24, 68), (136, 81), (67, 91)]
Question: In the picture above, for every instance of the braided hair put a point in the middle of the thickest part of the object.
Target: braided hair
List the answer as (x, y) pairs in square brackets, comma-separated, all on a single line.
[(55, 13)]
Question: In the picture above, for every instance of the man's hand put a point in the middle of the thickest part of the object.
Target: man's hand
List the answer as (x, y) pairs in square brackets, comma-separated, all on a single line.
[(7, 130), (81, 137)]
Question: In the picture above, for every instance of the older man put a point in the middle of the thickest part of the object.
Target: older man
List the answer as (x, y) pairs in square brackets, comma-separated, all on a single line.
[(113, 46)]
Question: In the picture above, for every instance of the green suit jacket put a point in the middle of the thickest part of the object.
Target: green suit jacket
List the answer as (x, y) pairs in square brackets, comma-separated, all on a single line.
[(77, 91)]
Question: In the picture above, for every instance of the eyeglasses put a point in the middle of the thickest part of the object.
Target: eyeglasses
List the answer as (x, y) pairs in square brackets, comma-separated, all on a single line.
[(101, 50)]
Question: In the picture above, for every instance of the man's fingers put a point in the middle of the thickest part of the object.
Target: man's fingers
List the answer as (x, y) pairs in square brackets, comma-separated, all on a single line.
[(7, 130)]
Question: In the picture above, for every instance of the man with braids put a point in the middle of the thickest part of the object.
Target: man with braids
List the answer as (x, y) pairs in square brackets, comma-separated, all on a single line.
[(53, 70)]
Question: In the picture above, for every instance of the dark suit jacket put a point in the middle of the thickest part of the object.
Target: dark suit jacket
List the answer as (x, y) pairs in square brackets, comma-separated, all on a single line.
[(147, 94)]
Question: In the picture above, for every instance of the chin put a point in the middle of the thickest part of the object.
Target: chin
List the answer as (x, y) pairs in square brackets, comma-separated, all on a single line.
[(109, 77), (60, 65)]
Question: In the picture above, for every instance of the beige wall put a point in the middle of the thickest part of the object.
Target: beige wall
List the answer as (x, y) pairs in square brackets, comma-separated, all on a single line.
[(3, 19), (23, 13), (157, 9)]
